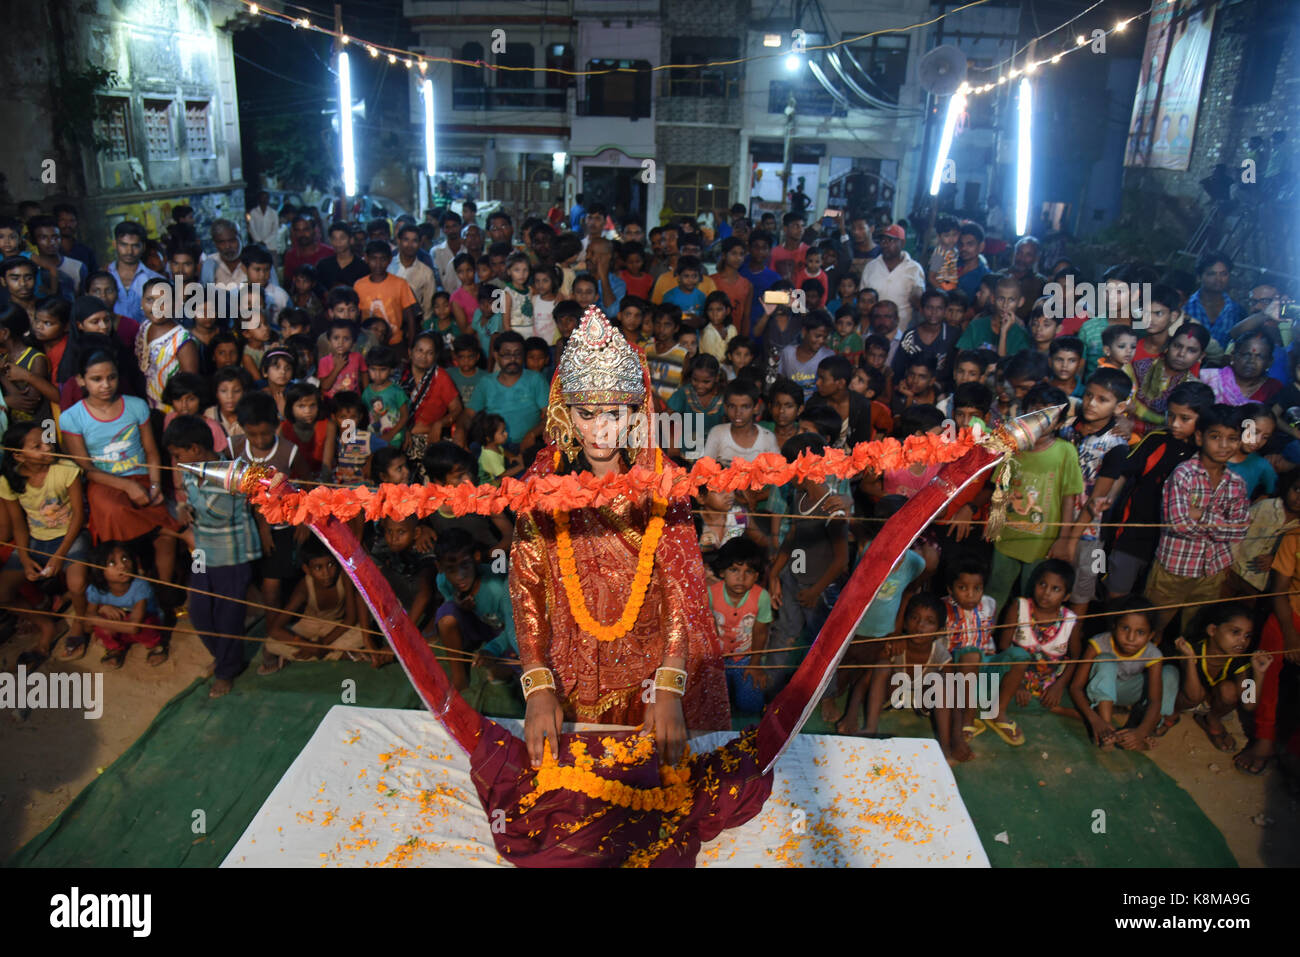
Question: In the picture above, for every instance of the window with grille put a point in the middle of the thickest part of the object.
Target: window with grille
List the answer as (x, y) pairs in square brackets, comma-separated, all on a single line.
[(113, 128), (693, 190), (158, 130), (198, 133)]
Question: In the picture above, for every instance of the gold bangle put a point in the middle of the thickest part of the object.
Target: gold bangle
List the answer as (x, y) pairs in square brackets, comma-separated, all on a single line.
[(670, 679), (535, 679)]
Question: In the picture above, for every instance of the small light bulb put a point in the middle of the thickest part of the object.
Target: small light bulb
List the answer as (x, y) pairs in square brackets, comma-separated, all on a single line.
[(1057, 58), (1001, 80), (253, 9), (346, 39), (1080, 40)]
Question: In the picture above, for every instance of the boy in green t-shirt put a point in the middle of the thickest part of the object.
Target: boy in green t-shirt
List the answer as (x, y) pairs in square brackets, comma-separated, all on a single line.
[(1045, 484), (389, 405)]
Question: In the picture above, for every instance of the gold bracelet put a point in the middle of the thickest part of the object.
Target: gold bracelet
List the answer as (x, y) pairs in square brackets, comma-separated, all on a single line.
[(670, 679), (535, 679)]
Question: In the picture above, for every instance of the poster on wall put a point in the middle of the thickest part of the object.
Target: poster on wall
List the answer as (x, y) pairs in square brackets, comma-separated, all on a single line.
[(1169, 86)]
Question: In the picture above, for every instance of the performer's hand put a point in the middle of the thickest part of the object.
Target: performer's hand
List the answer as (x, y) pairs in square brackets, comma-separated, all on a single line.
[(664, 720), (542, 722)]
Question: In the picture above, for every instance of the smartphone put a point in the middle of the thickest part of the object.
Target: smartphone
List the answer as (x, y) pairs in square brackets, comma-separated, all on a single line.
[(777, 297)]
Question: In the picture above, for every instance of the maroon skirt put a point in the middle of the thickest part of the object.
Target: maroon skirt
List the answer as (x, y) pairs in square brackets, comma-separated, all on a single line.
[(114, 517)]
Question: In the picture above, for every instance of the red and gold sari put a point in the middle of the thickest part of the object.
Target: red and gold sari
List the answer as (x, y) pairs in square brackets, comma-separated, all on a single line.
[(608, 682)]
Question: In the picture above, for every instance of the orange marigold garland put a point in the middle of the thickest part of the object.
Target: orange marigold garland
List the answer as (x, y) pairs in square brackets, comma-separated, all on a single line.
[(584, 490), (674, 797), (645, 563)]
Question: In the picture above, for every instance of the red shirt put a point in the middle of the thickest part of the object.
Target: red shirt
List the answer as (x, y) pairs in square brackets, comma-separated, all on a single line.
[(296, 257), (637, 285), (442, 393), (314, 455)]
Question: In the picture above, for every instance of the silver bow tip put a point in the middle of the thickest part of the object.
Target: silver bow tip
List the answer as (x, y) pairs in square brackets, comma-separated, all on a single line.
[(1029, 429), (221, 474)]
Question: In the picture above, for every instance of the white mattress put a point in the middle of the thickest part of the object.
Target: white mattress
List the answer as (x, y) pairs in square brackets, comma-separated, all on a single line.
[(386, 787)]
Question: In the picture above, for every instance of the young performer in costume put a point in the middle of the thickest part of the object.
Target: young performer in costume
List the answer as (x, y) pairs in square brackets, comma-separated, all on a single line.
[(610, 608)]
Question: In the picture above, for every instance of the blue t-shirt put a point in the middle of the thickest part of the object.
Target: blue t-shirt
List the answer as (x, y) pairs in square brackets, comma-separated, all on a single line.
[(1257, 472), (140, 589), (114, 445), (882, 613), (521, 404), (690, 303), (970, 282), (492, 606), (762, 282)]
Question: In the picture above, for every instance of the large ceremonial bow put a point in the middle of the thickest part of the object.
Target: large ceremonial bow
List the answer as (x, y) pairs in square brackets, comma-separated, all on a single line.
[(794, 705), (565, 827)]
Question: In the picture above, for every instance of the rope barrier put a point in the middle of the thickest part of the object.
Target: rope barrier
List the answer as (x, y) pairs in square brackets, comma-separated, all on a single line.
[(458, 654)]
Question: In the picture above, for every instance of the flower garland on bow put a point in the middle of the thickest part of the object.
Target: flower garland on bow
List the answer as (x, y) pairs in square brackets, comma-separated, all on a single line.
[(584, 490), (645, 562)]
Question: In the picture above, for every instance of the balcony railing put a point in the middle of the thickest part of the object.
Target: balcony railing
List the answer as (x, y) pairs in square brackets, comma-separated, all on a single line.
[(507, 98)]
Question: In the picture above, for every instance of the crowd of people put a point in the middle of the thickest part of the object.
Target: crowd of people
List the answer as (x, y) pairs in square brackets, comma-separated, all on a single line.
[(1147, 567)]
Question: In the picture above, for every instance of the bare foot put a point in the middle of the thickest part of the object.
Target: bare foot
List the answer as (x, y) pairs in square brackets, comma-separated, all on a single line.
[(220, 687), (961, 750), (831, 712)]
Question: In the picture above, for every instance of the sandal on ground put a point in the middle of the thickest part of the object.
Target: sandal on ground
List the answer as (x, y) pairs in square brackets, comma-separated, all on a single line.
[(1222, 740), (271, 664), (1008, 731), (75, 648), (1165, 725), (157, 655), (114, 659), (974, 729)]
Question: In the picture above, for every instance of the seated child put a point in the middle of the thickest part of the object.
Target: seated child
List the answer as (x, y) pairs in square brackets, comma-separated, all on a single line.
[(1215, 671), (446, 463), (1124, 667), (1036, 634), (1257, 426), (389, 405), (918, 649), (356, 442), (114, 593), (742, 610), (880, 620), (409, 571), (476, 615), (327, 610), (342, 369), (495, 461), (1118, 346)]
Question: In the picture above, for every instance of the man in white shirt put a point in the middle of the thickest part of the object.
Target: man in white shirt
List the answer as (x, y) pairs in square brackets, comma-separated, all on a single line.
[(263, 222), (446, 251), (895, 275), (408, 266)]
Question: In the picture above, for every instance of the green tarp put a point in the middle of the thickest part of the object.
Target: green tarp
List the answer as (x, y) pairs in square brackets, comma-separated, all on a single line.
[(222, 758)]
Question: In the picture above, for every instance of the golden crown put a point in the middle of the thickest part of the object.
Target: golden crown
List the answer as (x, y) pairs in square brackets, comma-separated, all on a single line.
[(598, 366)]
